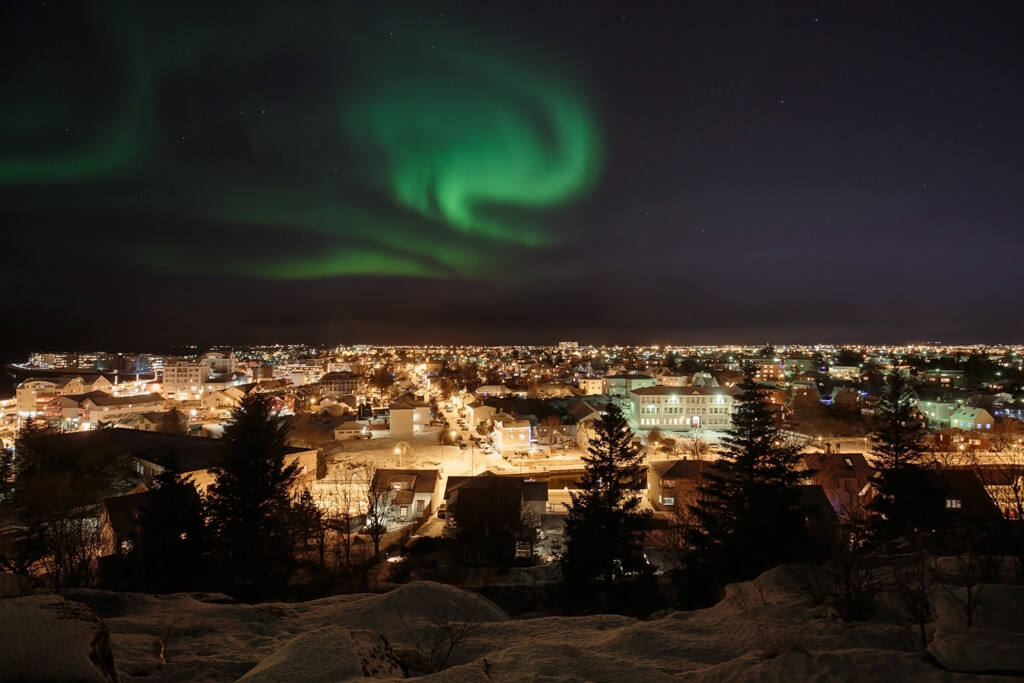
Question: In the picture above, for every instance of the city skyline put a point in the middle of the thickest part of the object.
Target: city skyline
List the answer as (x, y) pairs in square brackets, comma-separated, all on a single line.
[(417, 173)]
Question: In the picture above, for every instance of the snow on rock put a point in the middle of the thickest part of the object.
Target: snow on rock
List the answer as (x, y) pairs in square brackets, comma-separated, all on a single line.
[(332, 653), (552, 662), (821, 667), (767, 629), (979, 650), (427, 599), (48, 638)]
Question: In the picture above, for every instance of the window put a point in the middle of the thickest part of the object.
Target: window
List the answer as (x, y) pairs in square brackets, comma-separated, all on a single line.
[(668, 483), (952, 503), (670, 501)]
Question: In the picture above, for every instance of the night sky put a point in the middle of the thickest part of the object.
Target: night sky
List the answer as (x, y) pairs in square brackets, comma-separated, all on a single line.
[(657, 172)]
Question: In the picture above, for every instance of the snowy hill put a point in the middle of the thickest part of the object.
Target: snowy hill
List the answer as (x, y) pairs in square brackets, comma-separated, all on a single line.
[(765, 630)]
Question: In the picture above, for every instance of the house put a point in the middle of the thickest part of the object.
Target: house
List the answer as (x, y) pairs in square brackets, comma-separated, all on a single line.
[(408, 415), (938, 408), (592, 386), (622, 385), (412, 492), (950, 498), (510, 433), (971, 419), (804, 395), (490, 515), (100, 407), (673, 483), (222, 399), (351, 430), (477, 413), (842, 476), (582, 417), (963, 499), (119, 522), (846, 400), (173, 421)]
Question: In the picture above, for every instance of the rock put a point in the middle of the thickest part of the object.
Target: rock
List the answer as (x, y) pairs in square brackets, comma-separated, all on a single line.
[(332, 653), (48, 638), (979, 650)]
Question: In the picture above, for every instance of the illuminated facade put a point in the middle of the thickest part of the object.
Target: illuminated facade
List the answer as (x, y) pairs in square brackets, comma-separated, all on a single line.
[(683, 408)]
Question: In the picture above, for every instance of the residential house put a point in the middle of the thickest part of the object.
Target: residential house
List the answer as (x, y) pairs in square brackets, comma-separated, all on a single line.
[(173, 421), (842, 476), (846, 400), (672, 484), (413, 492), (511, 433), (938, 408), (477, 413), (622, 385), (492, 515), (351, 430), (408, 415), (971, 419), (582, 417), (592, 386)]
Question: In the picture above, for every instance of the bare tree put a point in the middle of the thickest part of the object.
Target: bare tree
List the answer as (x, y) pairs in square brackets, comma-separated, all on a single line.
[(551, 427), (696, 445), (447, 627), (380, 508)]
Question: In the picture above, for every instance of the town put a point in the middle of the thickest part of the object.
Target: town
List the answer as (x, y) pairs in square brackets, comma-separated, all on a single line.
[(477, 466), (432, 420)]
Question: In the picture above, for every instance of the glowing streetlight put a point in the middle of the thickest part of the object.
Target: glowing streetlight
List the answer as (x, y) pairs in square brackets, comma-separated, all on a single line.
[(398, 452)]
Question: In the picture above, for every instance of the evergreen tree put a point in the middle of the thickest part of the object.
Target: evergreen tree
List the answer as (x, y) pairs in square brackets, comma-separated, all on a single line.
[(897, 448), (604, 522), (170, 554), (248, 507), (747, 515)]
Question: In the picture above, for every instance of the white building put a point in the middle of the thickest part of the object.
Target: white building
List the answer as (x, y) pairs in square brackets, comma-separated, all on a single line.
[(408, 415), (511, 433), (683, 408)]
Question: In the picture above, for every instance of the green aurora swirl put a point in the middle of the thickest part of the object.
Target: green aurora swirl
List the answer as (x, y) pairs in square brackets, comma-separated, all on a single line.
[(342, 155)]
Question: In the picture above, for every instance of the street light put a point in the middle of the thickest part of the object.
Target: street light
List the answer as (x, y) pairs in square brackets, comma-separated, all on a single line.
[(398, 452)]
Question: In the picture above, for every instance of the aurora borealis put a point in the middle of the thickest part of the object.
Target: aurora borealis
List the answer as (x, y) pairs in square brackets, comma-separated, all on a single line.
[(393, 158), (526, 171)]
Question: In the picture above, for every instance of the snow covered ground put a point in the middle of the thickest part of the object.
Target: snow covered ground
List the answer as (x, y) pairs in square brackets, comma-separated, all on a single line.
[(766, 630)]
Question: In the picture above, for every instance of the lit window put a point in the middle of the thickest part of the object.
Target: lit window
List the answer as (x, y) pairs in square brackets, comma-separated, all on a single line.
[(952, 503)]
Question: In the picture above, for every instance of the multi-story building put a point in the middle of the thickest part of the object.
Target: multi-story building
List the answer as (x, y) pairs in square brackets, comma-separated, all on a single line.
[(189, 380), (683, 408)]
